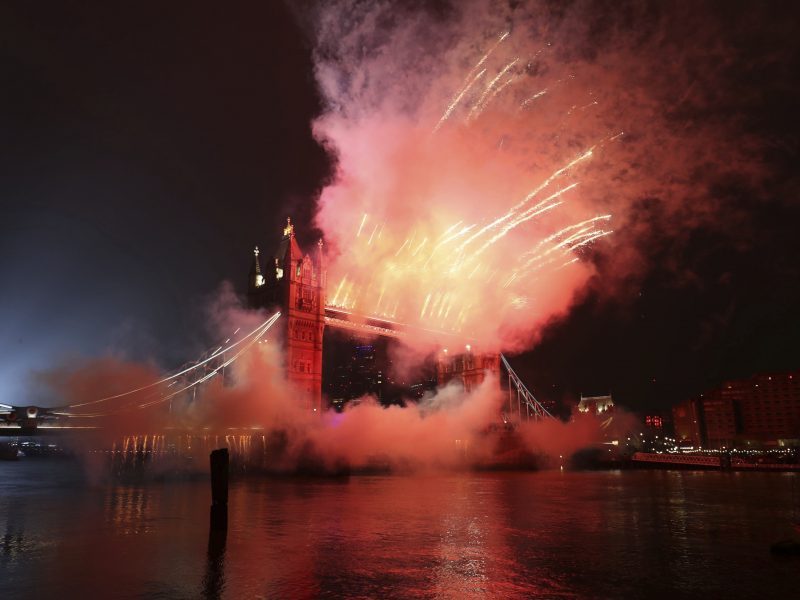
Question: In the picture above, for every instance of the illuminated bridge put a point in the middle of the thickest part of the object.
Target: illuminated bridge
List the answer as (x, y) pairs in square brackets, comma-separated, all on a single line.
[(295, 284)]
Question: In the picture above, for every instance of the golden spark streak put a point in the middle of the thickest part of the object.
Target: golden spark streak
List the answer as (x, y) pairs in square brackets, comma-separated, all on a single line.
[(525, 200), (558, 234), (550, 179), (532, 98), (374, 229), (458, 234), (527, 216), (469, 81), (591, 239), (360, 227), (445, 298), (338, 291), (380, 299), (400, 249), (568, 263), (510, 280), (449, 306), (425, 306), (508, 228), (419, 247), (494, 94), (484, 99), (457, 99), (449, 229), (447, 240), (580, 234)]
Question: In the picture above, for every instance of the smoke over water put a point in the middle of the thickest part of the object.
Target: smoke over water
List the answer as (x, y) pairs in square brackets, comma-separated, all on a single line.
[(492, 160), (261, 418), (488, 152)]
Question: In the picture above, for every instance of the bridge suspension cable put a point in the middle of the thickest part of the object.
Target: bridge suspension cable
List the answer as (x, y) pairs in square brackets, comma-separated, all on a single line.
[(533, 408), (254, 334)]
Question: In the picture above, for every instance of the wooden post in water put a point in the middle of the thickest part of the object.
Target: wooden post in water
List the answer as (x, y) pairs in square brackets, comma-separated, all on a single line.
[(219, 489), (214, 579)]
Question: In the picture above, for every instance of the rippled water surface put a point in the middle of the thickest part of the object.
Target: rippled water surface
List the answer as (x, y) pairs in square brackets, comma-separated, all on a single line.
[(656, 534)]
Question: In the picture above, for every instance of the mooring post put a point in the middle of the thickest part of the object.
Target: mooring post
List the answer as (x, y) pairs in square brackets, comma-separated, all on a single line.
[(219, 488)]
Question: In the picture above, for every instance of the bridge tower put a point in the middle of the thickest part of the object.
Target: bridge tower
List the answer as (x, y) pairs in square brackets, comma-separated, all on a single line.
[(468, 367), (295, 283)]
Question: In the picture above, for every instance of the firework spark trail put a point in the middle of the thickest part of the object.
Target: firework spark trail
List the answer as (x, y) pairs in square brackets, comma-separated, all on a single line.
[(552, 177), (529, 214), (577, 240), (447, 239), (372, 235), (496, 92), (525, 200), (484, 99), (483, 230), (561, 232), (508, 228), (457, 99), (400, 249), (567, 243), (338, 291), (458, 241), (360, 227), (532, 98), (468, 83), (456, 235), (568, 263), (524, 216), (580, 234), (591, 239), (421, 245)]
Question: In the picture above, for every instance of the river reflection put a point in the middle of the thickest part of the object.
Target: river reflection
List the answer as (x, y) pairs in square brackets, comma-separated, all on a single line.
[(509, 535)]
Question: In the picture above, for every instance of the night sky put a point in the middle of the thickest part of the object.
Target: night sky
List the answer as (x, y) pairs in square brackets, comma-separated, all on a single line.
[(147, 148)]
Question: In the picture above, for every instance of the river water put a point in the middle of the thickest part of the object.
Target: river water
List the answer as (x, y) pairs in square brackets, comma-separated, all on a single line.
[(550, 534)]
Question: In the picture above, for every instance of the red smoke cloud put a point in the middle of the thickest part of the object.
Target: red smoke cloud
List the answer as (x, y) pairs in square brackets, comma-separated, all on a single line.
[(484, 153), (446, 429), (475, 146)]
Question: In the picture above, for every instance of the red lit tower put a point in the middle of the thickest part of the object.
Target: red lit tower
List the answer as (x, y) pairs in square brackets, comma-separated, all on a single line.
[(470, 368), (295, 283)]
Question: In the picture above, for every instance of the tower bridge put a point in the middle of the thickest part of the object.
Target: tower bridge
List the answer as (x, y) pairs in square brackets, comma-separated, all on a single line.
[(294, 284)]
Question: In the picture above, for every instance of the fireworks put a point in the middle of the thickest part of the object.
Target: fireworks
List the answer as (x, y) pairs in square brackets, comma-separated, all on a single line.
[(463, 229), (470, 81)]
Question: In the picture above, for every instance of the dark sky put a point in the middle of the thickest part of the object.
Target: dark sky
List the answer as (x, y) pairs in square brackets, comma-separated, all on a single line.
[(147, 147)]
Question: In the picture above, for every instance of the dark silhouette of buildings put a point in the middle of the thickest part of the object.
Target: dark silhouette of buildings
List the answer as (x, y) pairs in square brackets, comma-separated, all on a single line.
[(761, 410)]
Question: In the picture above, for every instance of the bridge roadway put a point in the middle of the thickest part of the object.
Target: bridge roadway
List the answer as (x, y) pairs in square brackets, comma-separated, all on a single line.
[(29, 419), (344, 319)]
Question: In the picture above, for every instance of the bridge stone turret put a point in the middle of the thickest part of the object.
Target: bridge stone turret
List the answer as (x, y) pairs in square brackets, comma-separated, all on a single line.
[(295, 283), (468, 367)]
